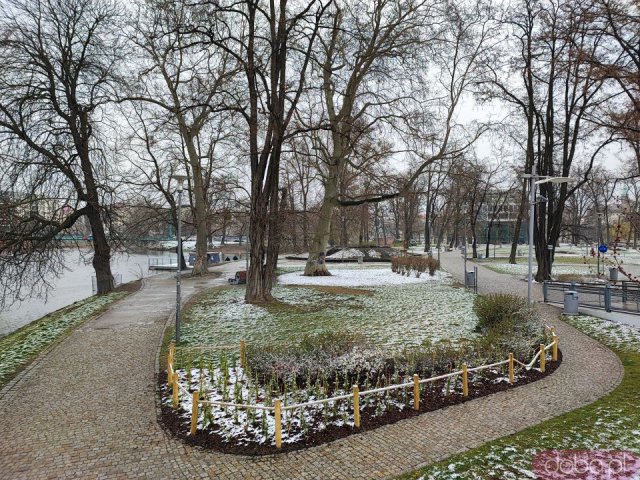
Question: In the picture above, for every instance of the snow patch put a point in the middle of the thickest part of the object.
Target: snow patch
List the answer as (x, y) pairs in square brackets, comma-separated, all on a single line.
[(360, 278)]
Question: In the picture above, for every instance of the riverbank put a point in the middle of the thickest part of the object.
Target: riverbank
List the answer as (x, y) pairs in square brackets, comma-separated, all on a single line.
[(73, 285), (20, 348)]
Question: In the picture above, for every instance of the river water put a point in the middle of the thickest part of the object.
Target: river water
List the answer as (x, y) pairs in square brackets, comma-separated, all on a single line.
[(75, 284)]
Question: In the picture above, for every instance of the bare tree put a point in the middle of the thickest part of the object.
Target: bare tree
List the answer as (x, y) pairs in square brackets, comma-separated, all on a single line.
[(272, 47), (369, 67), (184, 82), (58, 64)]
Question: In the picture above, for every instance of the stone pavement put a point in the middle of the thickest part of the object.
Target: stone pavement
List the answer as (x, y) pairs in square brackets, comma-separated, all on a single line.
[(87, 408)]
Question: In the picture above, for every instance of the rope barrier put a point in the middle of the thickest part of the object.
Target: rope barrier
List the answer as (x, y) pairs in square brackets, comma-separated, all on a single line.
[(356, 393)]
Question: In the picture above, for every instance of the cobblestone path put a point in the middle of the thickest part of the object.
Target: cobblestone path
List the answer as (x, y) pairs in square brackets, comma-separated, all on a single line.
[(87, 408)]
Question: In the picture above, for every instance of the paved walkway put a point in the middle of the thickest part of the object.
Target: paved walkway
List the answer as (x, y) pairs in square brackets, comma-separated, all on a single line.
[(87, 409)]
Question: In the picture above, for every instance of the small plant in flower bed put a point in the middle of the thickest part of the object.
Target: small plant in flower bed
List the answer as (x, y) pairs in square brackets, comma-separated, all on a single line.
[(416, 265), (323, 366)]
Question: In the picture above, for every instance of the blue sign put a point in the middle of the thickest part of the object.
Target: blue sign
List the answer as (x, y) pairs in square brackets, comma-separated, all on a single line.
[(602, 249)]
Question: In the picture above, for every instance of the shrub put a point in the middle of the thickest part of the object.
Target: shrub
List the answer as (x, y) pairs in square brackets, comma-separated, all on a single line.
[(503, 312), (417, 264)]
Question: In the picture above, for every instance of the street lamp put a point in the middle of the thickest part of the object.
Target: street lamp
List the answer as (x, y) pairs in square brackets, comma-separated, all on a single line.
[(180, 179), (599, 240), (464, 249), (536, 180)]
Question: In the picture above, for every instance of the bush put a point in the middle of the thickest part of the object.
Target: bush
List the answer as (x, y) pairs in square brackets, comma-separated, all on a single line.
[(502, 311), (416, 264)]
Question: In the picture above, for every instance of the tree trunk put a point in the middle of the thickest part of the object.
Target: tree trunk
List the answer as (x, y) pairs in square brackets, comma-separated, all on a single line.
[(518, 225), (200, 266), (316, 265), (474, 241), (101, 253), (489, 227)]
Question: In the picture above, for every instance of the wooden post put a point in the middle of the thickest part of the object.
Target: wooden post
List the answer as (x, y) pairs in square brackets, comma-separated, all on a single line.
[(174, 383), (416, 392), (195, 399), (465, 380), (543, 358), (554, 350), (170, 355), (356, 406), (278, 414), (511, 375), (243, 354)]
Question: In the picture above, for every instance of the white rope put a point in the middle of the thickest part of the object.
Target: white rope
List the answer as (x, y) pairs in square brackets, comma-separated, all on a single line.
[(484, 367), (372, 391), (237, 405), (317, 402), (384, 389)]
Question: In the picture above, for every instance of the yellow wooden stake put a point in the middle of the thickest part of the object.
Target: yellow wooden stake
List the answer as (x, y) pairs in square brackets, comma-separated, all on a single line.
[(543, 358), (511, 374), (194, 412), (243, 354), (172, 349), (554, 351), (278, 415), (465, 380), (356, 406), (416, 392), (174, 383)]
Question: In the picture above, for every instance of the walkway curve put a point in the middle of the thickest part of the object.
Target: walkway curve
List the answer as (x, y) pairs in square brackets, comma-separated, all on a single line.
[(87, 408)]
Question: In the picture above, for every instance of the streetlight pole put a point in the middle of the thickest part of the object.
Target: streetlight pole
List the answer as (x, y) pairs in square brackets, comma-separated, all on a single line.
[(599, 239), (180, 179), (536, 180), (532, 206), (464, 249)]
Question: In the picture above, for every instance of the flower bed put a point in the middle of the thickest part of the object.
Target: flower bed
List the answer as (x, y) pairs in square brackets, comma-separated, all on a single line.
[(301, 376), (319, 341)]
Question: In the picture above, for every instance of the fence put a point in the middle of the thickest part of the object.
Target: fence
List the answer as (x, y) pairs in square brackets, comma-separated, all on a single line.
[(621, 297), (117, 280), (277, 408), (166, 260)]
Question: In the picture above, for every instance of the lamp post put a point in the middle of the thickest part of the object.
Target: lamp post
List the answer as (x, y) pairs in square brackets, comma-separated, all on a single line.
[(180, 179), (533, 181), (464, 249), (599, 240)]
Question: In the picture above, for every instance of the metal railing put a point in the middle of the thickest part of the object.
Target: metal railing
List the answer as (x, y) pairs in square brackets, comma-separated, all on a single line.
[(620, 297)]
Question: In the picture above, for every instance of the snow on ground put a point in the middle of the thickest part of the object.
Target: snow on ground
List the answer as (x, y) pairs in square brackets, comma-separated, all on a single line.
[(393, 316), (370, 277), (608, 424), (523, 269), (347, 253)]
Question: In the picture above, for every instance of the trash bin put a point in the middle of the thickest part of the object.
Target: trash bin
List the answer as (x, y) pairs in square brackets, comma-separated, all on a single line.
[(480, 256), (570, 303), (470, 278), (359, 258), (613, 274)]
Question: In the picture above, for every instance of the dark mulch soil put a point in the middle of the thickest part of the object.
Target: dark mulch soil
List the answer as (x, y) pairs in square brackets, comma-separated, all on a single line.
[(179, 427)]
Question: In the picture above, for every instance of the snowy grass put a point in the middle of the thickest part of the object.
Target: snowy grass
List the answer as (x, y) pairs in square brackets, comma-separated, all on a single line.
[(19, 348), (350, 277), (611, 423), (521, 269), (394, 316)]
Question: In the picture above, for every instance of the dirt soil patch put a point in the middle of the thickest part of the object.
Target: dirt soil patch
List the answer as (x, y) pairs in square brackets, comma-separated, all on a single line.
[(434, 399)]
